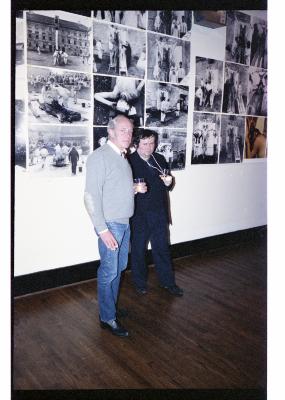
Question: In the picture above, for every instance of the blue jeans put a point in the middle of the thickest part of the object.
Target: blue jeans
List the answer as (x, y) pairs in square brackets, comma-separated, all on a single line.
[(113, 262)]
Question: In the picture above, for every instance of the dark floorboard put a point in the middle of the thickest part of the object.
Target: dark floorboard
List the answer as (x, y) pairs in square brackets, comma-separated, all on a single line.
[(212, 337)]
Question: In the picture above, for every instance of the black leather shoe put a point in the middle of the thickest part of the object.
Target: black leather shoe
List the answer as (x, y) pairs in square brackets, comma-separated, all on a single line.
[(115, 328), (122, 313), (174, 290), (141, 290)]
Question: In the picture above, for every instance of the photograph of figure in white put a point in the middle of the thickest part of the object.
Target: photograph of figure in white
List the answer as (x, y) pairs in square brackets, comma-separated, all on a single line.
[(232, 139), (175, 23), (208, 85), (168, 59), (59, 39), (133, 18), (118, 50), (113, 96), (238, 37), (235, 88), (257, 91), (166, 105), (57, 96), (57, 150), (205, 138)]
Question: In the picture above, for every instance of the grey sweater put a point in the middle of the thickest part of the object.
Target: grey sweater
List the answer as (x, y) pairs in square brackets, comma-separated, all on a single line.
[(109, 186)]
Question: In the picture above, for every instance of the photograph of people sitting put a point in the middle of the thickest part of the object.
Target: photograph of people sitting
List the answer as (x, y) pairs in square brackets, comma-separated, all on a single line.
[(56, 96)]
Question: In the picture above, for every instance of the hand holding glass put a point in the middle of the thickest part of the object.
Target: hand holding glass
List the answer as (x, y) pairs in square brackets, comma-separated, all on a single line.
[(140, 185)]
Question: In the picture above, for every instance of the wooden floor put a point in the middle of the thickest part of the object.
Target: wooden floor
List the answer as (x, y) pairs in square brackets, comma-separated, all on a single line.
[(213, 337)]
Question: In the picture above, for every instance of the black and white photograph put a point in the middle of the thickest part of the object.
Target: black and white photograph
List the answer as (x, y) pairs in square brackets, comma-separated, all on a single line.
[(257, 92), (133, 18), (175, 23), (118, 50), (255, 138), (166, 105), (19, 55), (232, 139), (208, 85), (59, 39), (205, 138), (58, 151), (235, 88), (168, 59), (172, 145), (258, 52), (100, 136), (238, 37), (59, 96), (118, 95), (20, 137)]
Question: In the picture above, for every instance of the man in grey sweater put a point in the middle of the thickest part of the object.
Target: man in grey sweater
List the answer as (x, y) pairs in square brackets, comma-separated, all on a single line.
[(109, 200)]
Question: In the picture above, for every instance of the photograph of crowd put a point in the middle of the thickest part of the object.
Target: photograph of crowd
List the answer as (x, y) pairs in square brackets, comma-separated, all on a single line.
[(257, 91), (166, 105), (235, 88), (255, 138), (208, 85), (172, 145), (175, 23), (20, 137), (232, 139), (113, 96), (58, 150), (59, 39), (58, 96), (258, 53), (168, 59), (135, 18), (238, 37), (205, 138), (118, 50)]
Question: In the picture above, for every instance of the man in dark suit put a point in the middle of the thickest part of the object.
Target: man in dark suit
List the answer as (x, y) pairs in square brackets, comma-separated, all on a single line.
[(150, 220)]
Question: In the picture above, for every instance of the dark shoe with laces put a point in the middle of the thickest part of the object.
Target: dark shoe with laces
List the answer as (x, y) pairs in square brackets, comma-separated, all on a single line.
[(115, 328), (174, 290)]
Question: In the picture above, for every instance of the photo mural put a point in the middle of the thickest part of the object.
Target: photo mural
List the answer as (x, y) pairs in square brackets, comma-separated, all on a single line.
[(77, 70)]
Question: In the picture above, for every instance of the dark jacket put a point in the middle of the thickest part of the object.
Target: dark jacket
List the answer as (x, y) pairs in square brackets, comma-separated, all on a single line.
[(156, 197), (73, 155)]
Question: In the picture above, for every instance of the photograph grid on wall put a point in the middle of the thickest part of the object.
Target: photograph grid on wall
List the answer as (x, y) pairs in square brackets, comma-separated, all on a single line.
[(77, 70)]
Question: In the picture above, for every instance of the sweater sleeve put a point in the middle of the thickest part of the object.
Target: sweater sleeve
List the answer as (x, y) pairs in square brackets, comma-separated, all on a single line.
[(93, 196)]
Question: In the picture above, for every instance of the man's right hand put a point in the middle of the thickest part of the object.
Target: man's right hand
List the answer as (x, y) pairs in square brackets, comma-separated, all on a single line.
[(109, 240)]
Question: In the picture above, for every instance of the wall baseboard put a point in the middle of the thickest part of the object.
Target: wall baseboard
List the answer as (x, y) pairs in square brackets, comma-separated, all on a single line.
[(50, 279)]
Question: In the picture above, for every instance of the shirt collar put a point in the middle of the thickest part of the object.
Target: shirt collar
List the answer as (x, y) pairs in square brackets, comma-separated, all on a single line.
[(114, 147)]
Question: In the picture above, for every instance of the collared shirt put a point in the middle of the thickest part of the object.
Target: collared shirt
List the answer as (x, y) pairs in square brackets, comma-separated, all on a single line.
[(114, 147)]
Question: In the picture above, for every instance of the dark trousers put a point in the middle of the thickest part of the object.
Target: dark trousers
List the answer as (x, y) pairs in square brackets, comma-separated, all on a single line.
[(153, 227), (73, 166)]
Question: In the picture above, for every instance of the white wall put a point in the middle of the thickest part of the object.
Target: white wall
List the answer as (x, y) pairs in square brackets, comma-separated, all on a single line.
[(52, 228)]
